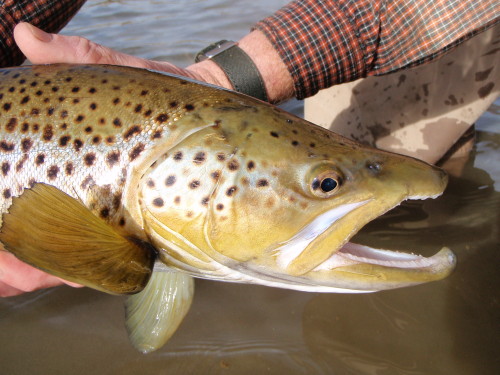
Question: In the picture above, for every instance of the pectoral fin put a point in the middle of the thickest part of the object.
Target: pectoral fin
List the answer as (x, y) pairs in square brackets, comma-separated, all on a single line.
[(56, 233), (154, 314)]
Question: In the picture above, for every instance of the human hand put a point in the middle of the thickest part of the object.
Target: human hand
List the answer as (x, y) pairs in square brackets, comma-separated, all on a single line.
[(44, 48)]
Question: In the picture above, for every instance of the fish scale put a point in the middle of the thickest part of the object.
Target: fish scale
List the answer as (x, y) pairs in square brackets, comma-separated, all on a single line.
[(55, 131)]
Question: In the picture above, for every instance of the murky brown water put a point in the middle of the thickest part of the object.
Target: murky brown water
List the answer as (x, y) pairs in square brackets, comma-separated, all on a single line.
[(448, 327)]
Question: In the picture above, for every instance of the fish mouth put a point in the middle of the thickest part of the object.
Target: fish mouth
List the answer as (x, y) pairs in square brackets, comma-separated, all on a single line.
[(350, 267)]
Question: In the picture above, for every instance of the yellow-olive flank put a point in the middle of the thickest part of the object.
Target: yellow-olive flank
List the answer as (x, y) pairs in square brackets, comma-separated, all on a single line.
[(127, 181)]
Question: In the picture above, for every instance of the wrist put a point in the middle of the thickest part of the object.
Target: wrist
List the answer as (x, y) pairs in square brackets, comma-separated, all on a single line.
[(275, 76)]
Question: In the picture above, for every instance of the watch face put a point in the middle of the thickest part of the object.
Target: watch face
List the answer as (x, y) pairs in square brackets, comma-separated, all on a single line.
[(214, 49)]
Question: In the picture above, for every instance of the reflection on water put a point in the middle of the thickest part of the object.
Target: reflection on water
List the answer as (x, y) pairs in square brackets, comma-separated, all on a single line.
[(447, 327)]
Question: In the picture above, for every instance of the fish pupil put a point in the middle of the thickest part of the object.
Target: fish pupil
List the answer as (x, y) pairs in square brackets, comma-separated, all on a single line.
[(328, 184)]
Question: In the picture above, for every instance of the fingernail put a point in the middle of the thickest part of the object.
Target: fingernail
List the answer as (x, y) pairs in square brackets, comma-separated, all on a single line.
[(41, 35)]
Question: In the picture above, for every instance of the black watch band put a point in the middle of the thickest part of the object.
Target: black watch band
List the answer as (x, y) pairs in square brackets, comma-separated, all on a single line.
[(238, 66)]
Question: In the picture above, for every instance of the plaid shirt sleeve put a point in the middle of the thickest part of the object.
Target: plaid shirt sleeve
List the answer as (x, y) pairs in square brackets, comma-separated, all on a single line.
[(326, 42), (49, 15)]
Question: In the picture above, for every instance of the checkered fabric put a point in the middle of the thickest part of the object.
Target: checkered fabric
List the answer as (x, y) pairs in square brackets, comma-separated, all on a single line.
[(333, 41), (49, 15)]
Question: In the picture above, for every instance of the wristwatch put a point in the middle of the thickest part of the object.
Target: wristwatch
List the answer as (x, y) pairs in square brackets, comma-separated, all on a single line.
[(238, 67)]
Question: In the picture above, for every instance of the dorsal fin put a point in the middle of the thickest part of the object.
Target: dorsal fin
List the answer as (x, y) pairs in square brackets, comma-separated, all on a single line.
[(56, 233)]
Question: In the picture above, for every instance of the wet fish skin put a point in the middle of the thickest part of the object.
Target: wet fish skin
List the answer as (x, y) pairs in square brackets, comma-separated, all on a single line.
[(219, 183)]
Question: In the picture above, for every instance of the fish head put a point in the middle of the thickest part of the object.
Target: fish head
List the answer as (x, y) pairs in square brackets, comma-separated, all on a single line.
[(262, 196)]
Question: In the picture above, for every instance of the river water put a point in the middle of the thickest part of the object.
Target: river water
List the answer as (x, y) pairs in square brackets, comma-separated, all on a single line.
[(447, 327)]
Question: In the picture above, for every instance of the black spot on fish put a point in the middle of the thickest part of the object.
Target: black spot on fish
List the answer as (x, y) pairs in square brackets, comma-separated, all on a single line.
[(194, 184), (312, 144), (189, 107), (75, 89), (262, 182), (205, 201), (295, 143), (52, 172), (116, 101), (55, 89), (158, 202), (92, 90), (215, 175), (76, 101), (274, 134), (25, 100), (5, 168), (161, 118), (78, 144), (25, 127), (178, 156), (7, 194), (64, 114), (39, 93), (156, 134), (110, 140), (96, 139), (231, 191), (233, 165), (87, 182), (170, 180), (138, 108), (35, 112), (133, 130), (104, 213), (113, 158), (173, 104), (26, 144), (7, 106), (11, 125), (136, 151), (50, 111), (63, 141), (221, 156), (220, 207), (48, 133), (89, 159), (69, 168), (68, 79), (144, 92), (117, 122), (79, 118), (20, 163), (250, 165), (93, 106), (6, 146), (199, 158), (88, 129)]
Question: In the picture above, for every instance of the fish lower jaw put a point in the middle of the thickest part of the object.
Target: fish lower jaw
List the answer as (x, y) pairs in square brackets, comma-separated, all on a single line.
[(354, 254)]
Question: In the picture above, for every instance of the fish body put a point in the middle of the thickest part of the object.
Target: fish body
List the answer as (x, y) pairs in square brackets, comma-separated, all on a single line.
[(216, 184)]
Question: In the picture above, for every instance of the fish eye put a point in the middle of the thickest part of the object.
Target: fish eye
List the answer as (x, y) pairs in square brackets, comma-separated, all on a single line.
[(325, 183)]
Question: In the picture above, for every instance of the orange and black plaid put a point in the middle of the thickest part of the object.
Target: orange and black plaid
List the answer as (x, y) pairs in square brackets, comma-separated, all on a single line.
[(324, 43), (49, 15)]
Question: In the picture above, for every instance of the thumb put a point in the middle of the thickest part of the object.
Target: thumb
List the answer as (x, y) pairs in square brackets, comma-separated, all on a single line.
[(44, 48)]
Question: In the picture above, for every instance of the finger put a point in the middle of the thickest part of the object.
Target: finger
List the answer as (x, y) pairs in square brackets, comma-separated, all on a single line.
[(22, 276), (7, 290)]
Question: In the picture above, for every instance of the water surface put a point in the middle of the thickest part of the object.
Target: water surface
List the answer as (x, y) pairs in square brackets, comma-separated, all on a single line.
[(447, 327)]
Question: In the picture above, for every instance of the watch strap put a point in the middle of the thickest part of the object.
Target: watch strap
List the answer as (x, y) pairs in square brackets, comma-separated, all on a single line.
[(238, 67)]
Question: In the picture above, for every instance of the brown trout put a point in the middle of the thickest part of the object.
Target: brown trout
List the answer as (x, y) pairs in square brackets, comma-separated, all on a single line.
[(127, 180)]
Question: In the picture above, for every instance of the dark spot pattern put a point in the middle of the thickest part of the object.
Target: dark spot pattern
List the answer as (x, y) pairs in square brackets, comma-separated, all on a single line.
[(262, 182), (48, 133), (52, 172), (133, 130), (26, 144), (136, 151), (250, 165), (77, 144), (6, 146), (233, 165), (178, 156), (5, 168), (104, 213), (161, 118), (69, 168), (199, 158), (11, 125), (89, 159), (158, 202), (112, 158), (7, 194), (170, 180), (194, 184), (231, 191)]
